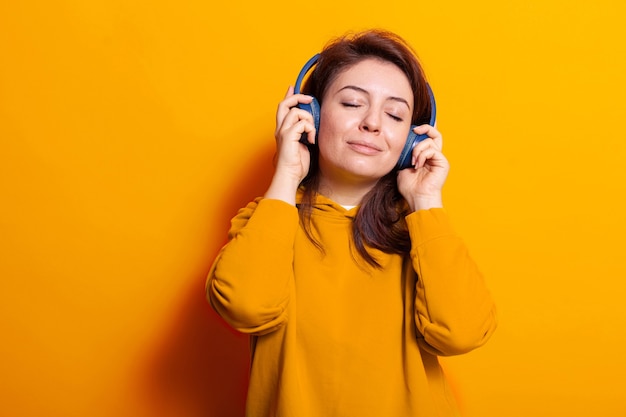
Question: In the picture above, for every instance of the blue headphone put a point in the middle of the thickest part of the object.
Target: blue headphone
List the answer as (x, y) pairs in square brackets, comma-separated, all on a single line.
[(314, 108)]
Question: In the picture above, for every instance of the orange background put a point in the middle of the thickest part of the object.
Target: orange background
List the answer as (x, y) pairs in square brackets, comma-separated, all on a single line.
[(131, 131)]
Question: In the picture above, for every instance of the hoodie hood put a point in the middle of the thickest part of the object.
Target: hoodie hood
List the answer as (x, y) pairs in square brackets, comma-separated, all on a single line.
[(328, 208)]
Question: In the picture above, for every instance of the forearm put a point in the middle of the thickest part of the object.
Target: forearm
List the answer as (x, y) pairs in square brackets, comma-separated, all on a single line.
[(249, 282), (454, 310), (283, 187)]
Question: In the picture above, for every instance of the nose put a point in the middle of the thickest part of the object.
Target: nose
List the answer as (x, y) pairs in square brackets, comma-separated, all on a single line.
[(371, 122)]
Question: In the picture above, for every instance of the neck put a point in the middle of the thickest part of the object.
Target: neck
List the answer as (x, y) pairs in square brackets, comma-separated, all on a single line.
[(347, 193)]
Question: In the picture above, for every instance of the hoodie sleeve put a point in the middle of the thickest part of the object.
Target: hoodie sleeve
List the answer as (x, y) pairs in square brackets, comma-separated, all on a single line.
[(249, 282), (454, 311)]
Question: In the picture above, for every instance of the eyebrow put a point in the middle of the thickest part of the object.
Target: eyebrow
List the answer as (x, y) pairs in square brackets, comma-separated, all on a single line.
[(364, 91)]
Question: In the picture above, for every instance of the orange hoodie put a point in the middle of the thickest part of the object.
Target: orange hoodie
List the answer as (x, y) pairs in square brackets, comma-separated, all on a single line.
[(332, 336)]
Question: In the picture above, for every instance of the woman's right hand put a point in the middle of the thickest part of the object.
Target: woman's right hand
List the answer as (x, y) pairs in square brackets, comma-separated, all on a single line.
[(292, 157)]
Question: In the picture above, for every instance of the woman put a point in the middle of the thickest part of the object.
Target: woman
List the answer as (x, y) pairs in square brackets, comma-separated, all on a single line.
[(347, 273)]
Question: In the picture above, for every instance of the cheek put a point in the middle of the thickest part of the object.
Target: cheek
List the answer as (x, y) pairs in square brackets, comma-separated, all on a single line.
[(330, 132), (325, 142), (327, 123)]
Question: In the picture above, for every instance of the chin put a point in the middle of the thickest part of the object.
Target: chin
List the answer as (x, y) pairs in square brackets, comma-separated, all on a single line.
[(372, 172)]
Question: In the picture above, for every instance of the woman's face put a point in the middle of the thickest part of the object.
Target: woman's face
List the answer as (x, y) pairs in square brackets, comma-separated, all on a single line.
[(364, 122)]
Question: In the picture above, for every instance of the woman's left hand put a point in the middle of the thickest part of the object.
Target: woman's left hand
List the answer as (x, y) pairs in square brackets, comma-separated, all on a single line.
[(421, 184)]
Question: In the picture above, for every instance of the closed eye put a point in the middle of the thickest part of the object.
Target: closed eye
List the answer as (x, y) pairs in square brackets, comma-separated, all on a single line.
[(345, 104), (394, 117)]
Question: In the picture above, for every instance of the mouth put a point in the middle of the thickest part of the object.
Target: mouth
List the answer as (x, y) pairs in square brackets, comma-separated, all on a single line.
[(363, 147)]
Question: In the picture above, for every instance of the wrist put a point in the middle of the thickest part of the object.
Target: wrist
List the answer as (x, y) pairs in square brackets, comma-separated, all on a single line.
[(283, 187), (425, 202)]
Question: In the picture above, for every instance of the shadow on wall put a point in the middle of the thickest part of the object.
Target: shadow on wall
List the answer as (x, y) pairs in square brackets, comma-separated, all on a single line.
[(201, 368)]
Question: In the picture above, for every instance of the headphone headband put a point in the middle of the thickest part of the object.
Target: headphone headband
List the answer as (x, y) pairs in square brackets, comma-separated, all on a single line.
[(304, 71)]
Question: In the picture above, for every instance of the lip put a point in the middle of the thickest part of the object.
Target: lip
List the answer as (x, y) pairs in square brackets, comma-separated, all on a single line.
[(364, 147)]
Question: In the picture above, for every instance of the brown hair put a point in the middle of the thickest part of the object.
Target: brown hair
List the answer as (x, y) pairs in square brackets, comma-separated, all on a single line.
[(379, 222)]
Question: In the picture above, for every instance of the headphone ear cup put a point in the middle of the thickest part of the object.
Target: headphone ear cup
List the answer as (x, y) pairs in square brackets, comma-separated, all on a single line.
[(407, 152), (314, 109), (413, 138)]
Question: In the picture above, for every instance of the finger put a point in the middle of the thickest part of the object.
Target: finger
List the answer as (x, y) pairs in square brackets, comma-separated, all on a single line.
[(295, 114), (295, 124), (421, 147), (308, 127), (290, 101), (432, 133), (289, 92), (290, 115), (426, 152), (424, 156)]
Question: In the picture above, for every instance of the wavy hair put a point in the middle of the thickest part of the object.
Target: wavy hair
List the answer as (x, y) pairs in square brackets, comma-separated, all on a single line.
[(380, 221)]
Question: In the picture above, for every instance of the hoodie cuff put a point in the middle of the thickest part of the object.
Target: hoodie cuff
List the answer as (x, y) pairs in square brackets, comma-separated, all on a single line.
[(427, 225), (277, 217)]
